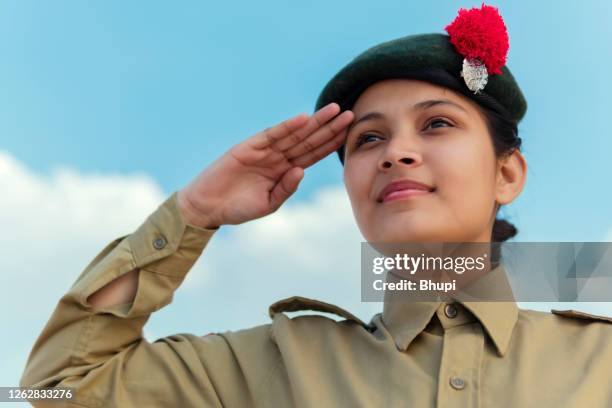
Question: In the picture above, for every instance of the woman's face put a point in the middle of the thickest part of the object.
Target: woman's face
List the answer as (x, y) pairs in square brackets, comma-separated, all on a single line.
[(413, 130)]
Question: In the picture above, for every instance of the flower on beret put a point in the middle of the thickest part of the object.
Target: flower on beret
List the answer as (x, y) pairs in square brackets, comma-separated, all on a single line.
[(480, 35)]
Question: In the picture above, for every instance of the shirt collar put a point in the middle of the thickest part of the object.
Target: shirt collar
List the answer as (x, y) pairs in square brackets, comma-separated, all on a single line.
[(405, 319)]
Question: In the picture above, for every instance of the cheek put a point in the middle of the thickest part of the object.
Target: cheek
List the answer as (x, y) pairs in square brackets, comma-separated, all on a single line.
[(358, 179), (465, 173), (351, 182)]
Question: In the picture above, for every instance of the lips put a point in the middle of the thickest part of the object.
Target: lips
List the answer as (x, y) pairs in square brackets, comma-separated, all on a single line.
[(400, 185)]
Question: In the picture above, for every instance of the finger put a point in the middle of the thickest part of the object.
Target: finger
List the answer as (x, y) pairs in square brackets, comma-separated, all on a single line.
[(327, 132), (286, 187), (318, 119), (271, 135), (309, 158)]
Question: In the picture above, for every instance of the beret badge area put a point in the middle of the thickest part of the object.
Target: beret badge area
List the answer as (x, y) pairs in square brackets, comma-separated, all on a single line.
[(474, 74), (480, 35)]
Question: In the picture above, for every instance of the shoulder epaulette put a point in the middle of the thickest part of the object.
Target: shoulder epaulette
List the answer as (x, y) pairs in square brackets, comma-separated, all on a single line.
[(576, 314), (297, 303)]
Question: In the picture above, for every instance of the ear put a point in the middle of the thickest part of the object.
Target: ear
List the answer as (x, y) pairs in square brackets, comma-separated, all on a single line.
[(511, 176)]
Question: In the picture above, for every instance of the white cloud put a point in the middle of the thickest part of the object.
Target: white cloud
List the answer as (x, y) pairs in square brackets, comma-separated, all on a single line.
[(54, 225), (51, 227)]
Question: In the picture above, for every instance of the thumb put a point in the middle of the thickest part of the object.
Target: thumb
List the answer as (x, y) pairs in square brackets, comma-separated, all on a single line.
[(286, 186)]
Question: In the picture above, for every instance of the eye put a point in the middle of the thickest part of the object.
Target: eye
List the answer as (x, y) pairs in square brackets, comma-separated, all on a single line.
[(362, 138), (438, 121)]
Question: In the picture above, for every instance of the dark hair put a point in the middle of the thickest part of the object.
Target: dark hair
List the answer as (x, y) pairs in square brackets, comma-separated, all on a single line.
[(503, 130), (504, 134)]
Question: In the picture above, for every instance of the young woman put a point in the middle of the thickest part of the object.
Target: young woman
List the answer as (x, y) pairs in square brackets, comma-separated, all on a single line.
[(426, 129)]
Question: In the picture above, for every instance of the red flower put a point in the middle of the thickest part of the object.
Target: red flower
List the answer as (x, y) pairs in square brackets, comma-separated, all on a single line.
[(480, 33)]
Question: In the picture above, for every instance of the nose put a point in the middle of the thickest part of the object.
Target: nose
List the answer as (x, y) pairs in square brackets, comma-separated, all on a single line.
[(399, 155)]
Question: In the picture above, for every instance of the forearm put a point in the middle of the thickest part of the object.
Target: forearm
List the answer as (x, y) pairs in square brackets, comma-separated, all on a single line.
[(119, 291)]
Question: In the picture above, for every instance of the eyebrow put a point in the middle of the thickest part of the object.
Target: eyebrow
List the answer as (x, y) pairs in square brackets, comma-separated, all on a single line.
[(418, 106)]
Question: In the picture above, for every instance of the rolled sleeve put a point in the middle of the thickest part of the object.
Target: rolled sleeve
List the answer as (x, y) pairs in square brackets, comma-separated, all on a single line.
[(97, 350)]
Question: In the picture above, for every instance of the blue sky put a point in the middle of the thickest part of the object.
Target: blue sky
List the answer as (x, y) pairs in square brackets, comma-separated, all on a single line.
[(147, 93), (147, 87)]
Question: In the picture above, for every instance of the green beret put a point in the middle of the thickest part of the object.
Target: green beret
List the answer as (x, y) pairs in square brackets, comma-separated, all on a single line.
[(429, 57)]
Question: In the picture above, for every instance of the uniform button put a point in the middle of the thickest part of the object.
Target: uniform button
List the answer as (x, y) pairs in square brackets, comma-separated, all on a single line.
[(450, 311), (457, 383), (159, 243)]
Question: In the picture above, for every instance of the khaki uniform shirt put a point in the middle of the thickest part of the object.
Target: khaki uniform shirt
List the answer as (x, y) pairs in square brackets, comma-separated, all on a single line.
[(427, 354)]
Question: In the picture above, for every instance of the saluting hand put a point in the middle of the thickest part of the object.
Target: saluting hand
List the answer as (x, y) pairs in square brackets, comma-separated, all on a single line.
[(255, 177)]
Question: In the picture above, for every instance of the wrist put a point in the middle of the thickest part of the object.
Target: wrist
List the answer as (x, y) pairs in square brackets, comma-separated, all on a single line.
[(191, 215)]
